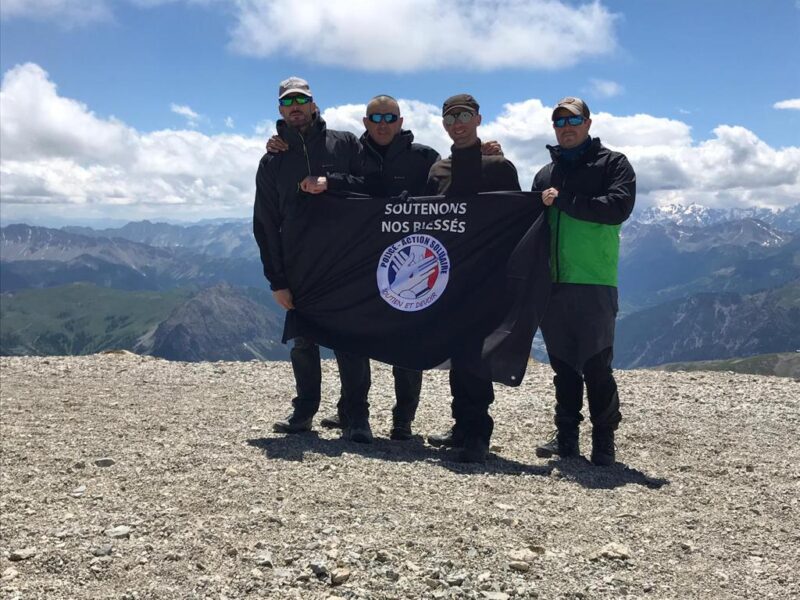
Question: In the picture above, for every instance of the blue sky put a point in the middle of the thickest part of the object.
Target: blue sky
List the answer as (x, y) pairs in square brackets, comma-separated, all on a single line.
[(691, 91)]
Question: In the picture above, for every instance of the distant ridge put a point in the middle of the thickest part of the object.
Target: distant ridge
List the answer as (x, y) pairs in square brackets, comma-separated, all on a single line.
[(782, 364)]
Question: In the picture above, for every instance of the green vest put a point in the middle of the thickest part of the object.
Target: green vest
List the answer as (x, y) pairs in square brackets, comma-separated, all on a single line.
[(582, 251)]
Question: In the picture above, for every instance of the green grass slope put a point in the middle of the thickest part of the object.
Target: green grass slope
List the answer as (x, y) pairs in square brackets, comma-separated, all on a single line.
[(80, 318)]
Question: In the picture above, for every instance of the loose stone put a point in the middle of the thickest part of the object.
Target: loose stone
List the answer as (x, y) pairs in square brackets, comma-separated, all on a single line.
[(23, 554)]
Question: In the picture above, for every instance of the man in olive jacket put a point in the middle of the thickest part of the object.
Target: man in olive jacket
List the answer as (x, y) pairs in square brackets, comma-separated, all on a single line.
[(466, 172), (314, 150), (590, 190)]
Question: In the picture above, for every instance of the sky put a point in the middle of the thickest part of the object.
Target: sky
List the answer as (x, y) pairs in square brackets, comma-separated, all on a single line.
[(121, 110)]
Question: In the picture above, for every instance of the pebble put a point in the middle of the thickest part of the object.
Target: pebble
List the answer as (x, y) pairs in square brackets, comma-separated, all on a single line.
[(383, 556), (103, 550), (9, 574), (495, 595), (264, 559), (456, 580), (613, 551), (121, 531), (23, 554), (319, 569), (523, 555), (256, 574), (104, 462), (78, 491), (518, 565), (339, 576)]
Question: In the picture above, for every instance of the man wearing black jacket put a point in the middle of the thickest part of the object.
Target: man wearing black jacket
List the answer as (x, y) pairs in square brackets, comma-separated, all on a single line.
[(590, 190), (391, 164), (313, 151), (464, 173)]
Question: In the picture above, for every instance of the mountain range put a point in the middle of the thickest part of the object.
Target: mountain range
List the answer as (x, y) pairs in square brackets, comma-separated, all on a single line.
[(696, 283)]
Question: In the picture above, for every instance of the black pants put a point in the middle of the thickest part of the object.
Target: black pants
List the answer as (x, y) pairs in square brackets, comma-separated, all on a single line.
[(473, 393), (407, 387), (354, 374), (601, 390)]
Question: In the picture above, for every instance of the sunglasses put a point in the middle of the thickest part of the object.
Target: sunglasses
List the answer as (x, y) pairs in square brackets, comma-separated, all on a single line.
[(387, 117), (289, 100), (573, 121), (463, 117)]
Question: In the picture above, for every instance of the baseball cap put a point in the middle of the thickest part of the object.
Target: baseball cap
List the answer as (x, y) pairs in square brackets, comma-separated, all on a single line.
[(294, 85), (463, 101), (574, 105)]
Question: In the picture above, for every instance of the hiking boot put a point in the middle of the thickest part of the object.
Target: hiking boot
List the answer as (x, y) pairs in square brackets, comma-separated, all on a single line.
[(293, 424), (475, 450), (563, 443), (603, 451), (359, 432), (401, 431), (332, 422), (454, 438)]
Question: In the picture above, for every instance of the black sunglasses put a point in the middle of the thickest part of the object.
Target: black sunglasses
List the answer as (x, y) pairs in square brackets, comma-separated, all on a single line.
[(378, 117), (289, 100), (564, 121), (463, 117)]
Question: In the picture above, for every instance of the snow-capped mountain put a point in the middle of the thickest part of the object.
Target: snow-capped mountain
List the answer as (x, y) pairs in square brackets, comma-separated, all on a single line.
[(695, 215)]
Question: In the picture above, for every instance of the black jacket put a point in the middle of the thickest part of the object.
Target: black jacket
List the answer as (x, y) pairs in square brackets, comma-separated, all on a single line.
[(403, 167), (600, 187), (320, 152), (468, 172)]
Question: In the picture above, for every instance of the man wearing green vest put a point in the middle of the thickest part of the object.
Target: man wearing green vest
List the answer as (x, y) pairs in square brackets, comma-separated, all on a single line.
[(590, 190)]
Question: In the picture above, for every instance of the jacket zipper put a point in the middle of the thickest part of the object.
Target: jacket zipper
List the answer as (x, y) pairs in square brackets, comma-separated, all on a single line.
[(558, 232), (305, 152), (558, 248)]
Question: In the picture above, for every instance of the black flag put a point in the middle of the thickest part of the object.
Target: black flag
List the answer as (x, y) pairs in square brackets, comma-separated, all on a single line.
[(413, 281)]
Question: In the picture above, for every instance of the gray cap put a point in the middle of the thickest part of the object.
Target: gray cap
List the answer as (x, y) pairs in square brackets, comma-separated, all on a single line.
[(294, 85), (574, 105)]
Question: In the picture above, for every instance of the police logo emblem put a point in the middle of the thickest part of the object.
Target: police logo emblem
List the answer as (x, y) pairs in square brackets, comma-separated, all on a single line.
[(413, 273)]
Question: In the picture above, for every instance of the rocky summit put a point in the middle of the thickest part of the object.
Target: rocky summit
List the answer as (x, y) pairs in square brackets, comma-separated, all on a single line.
[(133, 477)]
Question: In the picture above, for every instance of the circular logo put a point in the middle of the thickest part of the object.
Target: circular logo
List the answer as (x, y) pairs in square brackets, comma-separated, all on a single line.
[(413, 273)]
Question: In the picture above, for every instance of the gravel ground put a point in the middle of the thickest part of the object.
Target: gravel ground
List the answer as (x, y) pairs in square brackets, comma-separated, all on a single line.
[(131, 477)]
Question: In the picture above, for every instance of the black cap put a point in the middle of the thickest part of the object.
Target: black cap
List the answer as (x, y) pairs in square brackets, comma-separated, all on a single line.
[(464, 101)]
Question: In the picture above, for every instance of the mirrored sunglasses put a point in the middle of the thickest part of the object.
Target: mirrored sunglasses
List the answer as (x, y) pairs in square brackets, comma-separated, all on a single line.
[(573, 121), (387, 117), (463, 117), (289, 100)]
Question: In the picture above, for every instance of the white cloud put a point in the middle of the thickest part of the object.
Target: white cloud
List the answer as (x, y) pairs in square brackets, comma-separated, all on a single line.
[(412, 35), (229, 122), (57, 152), (390, 35), (603, 88), (793, 104), (183, 110), (67, 13), (62, 160)]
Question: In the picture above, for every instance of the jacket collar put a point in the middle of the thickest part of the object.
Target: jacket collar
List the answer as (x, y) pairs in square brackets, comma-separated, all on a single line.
[(294, 138), (400, 143), (476, 147), (591, 152)]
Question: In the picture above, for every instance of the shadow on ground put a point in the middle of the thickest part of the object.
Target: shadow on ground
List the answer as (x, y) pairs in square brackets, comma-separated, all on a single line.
[(585, 474), (581, 471)]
